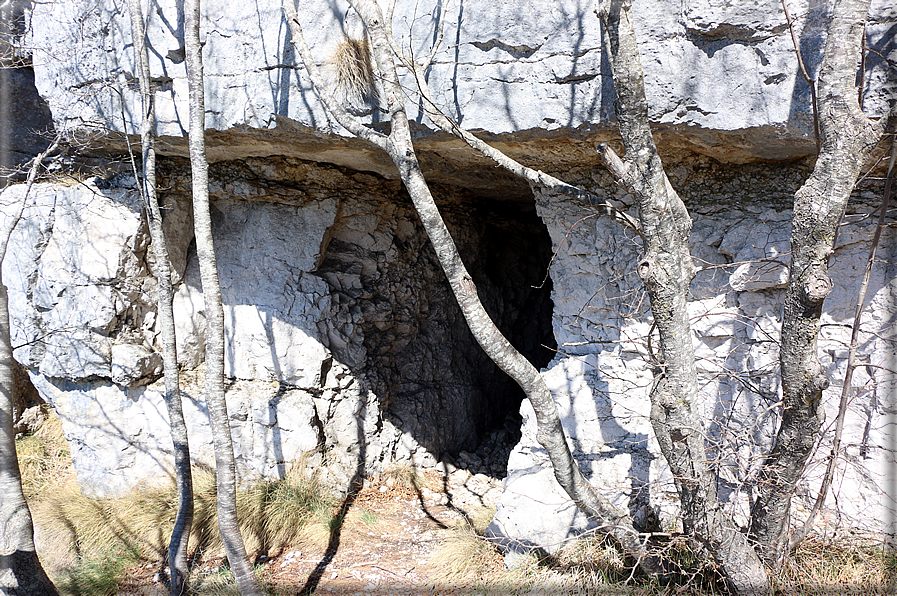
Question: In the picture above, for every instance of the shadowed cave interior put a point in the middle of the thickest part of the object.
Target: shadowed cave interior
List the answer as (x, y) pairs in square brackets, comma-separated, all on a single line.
[(431, 377)]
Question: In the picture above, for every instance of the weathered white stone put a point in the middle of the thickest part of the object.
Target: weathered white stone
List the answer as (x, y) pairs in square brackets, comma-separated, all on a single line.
[(765, 237), (544, 516), (73, 277), (272, 304), (723, 72), (734, 20), (135, 364), (602, 396), (119, 436), (721, 77)]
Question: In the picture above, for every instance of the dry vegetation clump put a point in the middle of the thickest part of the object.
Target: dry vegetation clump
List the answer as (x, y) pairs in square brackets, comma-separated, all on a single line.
[(351, 73), (88, 544), (403, 476), (843, 566), (467, 560), (43, 457)]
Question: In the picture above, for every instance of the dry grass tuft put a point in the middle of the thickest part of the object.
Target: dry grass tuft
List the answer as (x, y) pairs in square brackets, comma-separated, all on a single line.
[(351, 73), (43, 458), (90, 543), (852, 567), (278, 514), (465, 559), (404, 476), (468, 560), (477, 520)]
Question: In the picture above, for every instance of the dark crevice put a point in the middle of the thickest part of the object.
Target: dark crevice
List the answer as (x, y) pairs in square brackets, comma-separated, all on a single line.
[(404, 332)]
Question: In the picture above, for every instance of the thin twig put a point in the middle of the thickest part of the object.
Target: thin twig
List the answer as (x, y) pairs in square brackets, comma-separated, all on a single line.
[(803, 70), (32, 176), (862, 82), (557, 252)]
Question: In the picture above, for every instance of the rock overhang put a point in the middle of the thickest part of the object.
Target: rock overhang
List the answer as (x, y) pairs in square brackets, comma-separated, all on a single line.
[(721, 81)]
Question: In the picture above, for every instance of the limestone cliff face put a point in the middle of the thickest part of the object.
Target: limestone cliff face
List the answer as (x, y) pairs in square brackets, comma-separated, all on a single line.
[(342, 336), (721, 77)]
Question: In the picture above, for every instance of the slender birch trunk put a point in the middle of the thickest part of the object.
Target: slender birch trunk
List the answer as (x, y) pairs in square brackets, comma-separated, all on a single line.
[(180, 535), (846, 139), (225, 466), (21, 573)]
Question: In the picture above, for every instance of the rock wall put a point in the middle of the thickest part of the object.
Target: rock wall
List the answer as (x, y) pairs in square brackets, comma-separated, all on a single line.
[(602, 376), (721, 77), (342, 337), (341, 332)]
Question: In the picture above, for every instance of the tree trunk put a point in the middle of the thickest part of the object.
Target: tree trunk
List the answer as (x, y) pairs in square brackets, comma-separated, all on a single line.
[(399, 146), (666, 269), (202, 223), (21, 573), (847, 137), (180, 535)]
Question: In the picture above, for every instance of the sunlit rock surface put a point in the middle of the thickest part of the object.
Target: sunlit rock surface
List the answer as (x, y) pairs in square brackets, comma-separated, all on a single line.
[(345, 348)]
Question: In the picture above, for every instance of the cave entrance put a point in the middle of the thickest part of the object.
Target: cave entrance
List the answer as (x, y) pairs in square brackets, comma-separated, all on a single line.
[(409, 339), (509, 265)]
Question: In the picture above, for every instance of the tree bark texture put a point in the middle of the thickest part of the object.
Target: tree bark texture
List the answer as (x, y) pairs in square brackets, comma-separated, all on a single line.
[(399, 146), (225, 467), (667, 269), (21, 573), (846, 139), (180, 535), (846, 387)]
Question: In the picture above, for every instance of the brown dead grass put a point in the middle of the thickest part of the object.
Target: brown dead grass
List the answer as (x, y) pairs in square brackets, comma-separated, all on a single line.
[(94, 540), (43, 458)]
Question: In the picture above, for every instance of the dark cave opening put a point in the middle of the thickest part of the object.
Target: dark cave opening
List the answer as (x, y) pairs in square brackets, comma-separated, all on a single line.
[(509, 269), (409, 339)]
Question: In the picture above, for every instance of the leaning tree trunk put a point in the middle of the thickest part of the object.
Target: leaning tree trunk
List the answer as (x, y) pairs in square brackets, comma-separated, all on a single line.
[(667, 269), (846, 139), (225, 467), (180, 534), (21, 573), (399, 146)]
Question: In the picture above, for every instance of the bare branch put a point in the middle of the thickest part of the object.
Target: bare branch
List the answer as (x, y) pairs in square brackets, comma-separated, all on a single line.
[(803, 70)]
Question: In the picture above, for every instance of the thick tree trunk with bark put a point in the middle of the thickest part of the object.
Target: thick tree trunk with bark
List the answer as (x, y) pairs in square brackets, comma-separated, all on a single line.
[(21, 573), (398, 145), (847, 137), (667, 269), (180, 535), (225, 467)]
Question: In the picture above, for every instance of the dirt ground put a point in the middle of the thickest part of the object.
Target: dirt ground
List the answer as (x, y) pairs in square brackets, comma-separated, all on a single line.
[(385, 545)]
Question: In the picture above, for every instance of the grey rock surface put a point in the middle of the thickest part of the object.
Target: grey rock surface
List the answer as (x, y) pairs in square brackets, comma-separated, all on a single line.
[(601, 380), (721, 77), (330, 289), (342, 335), (75, 270), (119, 436), (134, 364)]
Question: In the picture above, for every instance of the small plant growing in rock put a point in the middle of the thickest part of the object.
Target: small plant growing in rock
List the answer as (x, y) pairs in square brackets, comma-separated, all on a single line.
[(352, 73)]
